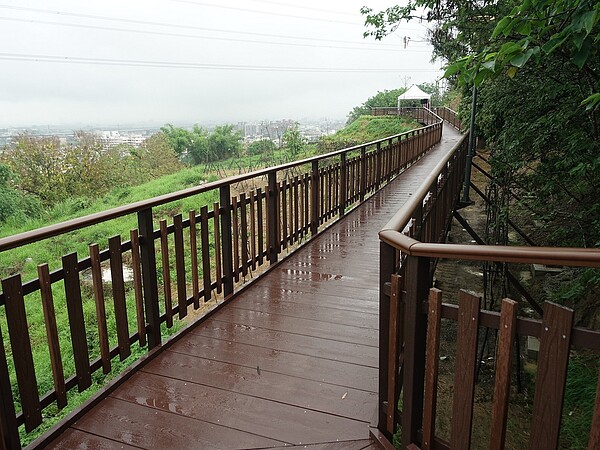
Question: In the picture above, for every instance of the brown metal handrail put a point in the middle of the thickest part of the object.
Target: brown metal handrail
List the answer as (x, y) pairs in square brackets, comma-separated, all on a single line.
[(392, 234)]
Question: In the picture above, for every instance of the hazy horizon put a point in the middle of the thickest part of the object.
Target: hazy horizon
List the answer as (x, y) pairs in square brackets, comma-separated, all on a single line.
[(111, 63)]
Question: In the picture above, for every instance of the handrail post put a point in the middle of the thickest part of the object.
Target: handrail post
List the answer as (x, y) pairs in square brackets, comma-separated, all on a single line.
[(343, 185), (387, 266), (415, 330), (226, 239), (273, 199), (314, 198), (379, 164), (363, 173), (149, 278)]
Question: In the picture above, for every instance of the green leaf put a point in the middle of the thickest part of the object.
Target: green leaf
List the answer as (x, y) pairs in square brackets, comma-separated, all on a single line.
[(592, 102), (554, 42), (520, 60), (490, 65), (511, 72), (452, 69), (580, 57), (501, 27)]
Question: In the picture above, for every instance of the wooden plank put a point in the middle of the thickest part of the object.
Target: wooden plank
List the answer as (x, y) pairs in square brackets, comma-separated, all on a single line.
[(166, 272), (98, 286), (236, 240), (253, 230), (18, 329), (464, 377), (506, 338), (247, 413), (342, 445), (244, 233), (131, 423), (180, 265), (58, 374), (205, 253), (305, 327), (194, 259), (217, 249), (297, 391), (73, 438), (434, 322), (553, 359), (594, 441), (118, 292), (137, 286), (76, 322), (277, 340), (9, 429), (319, 311), (311, 367), (260, 219)]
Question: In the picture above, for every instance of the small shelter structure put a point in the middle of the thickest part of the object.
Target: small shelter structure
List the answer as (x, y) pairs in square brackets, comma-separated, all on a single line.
[(415, 93)]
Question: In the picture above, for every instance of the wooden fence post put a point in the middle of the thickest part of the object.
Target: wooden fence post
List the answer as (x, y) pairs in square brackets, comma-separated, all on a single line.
[(273, 198), (387, 266), (415, 329), (150, 283), (226, 239), (343, 186), (314, 198), (363, 174)]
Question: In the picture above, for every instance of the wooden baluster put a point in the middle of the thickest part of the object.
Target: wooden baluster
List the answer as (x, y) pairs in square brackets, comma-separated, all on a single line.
[(226, 236), (98, 286), (166, 271), (180, 265), (217, 237), (506, 337), (118, 288), (194, 259), (236, 239), (434, 321), (555, 343), (260, 219), (18, 329), (464, 374), (253, 230), (295, 213), (9, 430), (343, 186), (205, 253), (284, 235), (149, 277), (137, 286), (273, 242)]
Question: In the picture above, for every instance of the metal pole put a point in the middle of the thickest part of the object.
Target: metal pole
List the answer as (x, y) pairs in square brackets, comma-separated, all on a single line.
[(471, 152)]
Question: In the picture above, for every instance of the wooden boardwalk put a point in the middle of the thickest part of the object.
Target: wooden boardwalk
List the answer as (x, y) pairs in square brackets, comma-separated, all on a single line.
[(292, 361)]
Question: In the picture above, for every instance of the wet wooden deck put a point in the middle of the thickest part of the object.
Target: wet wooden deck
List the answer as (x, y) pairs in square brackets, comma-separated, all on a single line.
[(291, 362)]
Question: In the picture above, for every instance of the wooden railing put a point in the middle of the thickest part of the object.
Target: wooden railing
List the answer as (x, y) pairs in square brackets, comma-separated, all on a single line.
[(175, 259), (411, 243), (445, 113)]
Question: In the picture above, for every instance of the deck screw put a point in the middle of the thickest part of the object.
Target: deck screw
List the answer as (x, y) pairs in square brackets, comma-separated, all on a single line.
[(545, 328)]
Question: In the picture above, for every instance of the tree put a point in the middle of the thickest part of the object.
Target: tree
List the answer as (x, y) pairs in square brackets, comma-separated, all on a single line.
[(387, 98), (293, 140), (12, 202), (224, 142), (260, 147), (155, 157)]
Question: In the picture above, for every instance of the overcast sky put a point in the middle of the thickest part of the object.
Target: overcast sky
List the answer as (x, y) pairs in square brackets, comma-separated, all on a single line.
[(191, 61)]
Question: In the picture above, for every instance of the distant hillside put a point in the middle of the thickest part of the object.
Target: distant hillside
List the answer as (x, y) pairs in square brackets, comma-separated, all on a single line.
[(367, 129)]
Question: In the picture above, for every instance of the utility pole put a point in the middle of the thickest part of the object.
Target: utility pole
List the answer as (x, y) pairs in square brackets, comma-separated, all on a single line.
[(465, 198)]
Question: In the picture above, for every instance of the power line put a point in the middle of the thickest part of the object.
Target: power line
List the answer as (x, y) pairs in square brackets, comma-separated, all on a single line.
[(305, 7), (255, 11), (164, 33), (188, 27), (188, 65)]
